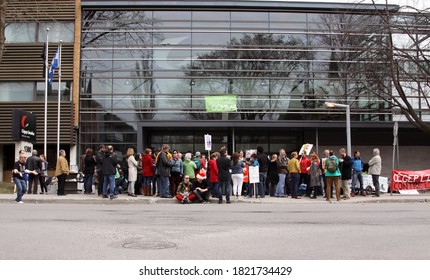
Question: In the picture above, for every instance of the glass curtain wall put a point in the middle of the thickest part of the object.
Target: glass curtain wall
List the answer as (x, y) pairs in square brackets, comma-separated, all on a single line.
[(160, 65)]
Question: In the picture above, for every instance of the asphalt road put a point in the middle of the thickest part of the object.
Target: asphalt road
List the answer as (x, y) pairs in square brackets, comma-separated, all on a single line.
[(212, 231)]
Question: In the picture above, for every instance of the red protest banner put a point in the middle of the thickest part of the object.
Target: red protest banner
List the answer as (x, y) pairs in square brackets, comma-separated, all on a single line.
[(410, 180)]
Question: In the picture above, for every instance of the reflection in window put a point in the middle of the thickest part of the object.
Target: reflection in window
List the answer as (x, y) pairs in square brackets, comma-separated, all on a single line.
[(162, 64), (57, 31), (66, 88), (16, 92), (19, 32)]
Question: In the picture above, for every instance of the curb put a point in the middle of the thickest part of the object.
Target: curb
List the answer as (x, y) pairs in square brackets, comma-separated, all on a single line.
[(80, 199)]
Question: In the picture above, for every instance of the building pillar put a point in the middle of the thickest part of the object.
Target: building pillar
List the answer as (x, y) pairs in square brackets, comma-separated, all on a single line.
[(1, 163), (73, 155)]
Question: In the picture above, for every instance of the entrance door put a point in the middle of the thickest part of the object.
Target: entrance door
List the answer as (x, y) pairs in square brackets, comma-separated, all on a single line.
[(185, 139)]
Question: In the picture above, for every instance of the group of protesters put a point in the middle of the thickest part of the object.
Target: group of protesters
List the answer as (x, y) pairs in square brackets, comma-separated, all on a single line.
[(191, 177)]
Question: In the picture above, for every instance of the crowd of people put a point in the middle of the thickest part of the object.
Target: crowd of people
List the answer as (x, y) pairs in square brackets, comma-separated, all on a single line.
[(191, 178)]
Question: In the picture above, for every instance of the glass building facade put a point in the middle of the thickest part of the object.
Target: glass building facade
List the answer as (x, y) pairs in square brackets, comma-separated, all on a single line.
[(148, 66)]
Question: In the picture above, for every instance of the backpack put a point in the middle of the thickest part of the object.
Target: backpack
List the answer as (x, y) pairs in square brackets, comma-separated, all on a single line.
[(198, 163), (331, 165)]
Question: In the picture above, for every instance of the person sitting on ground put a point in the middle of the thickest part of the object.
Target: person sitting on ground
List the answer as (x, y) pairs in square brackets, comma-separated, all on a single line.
[(184, 193), (201, 187)]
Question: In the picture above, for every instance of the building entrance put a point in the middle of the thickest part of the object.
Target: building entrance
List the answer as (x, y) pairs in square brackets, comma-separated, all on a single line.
[(190, 137)]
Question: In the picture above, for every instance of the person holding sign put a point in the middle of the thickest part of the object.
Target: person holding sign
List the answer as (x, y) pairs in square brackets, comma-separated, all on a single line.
[(254, 177), (213, 174)]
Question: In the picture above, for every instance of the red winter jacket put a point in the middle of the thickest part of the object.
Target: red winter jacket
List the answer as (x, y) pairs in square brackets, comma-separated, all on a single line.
[(213, 171), (147, 166), (305, 163)]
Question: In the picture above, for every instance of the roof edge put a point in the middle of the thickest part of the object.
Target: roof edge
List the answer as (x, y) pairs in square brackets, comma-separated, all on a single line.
[(241, 4)]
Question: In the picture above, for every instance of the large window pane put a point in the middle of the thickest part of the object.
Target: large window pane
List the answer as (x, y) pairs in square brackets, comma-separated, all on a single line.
[(16, 92), (19, 32), (57, 31), (66, 89)]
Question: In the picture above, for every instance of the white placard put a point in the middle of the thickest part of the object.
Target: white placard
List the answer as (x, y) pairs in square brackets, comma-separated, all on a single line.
[(208, 142), (306, 148), (250, 152), (254, 174), (368, 182)]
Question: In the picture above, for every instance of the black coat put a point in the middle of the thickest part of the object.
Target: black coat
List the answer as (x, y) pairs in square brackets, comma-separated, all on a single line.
[(263, 162), (33, 164), (109, 163), (89, 164), (163, 165), (272, 173), (346, 168), (224, 165)]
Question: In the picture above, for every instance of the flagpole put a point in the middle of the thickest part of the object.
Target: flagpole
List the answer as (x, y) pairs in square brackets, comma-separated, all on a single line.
[(45, 151), (59, 97)]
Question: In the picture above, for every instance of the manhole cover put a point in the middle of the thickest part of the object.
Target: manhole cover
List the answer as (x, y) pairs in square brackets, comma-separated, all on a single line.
[(148, 245)]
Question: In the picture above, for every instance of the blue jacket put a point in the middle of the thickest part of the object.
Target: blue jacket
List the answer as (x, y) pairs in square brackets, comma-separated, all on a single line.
[(238, 168), (357, 164), (177, 166), (255, 163)]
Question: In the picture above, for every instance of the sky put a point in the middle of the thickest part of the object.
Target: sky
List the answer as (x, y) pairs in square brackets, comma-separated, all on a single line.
[(420, 4)]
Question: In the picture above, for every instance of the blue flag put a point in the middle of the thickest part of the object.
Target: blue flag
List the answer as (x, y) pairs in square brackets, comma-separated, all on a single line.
[(53, 66)]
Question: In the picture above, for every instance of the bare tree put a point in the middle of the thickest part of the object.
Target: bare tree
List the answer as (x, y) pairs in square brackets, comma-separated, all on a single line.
[(3, 6), (256, 68), (347, 35), (403, 80), (142, 92), (120, 26)]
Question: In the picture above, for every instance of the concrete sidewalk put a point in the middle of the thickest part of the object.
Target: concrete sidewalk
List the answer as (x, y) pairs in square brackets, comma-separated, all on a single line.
[(79, 198)]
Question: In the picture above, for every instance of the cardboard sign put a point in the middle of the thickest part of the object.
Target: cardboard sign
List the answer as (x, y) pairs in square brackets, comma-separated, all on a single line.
[(208, 142), (254, 174), (306, 148), (250, 152)]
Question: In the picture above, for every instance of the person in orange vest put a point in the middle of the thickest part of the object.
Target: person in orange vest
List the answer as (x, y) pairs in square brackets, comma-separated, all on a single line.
[(246, 179)]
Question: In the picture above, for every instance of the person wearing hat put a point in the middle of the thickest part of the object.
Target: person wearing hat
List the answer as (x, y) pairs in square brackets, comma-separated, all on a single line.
[(201, 187)]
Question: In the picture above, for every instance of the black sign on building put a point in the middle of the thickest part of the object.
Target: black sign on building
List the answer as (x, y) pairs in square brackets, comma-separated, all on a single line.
[(23, 126)]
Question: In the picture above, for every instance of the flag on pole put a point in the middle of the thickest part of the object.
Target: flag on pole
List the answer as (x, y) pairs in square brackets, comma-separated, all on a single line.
[(53, 66)]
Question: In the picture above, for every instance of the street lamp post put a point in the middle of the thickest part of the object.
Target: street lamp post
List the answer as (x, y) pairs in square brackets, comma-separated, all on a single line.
[(396, 118), (348, 123)]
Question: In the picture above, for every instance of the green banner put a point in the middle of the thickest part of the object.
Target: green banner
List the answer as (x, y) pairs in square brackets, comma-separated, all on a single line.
[(221, 103)]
